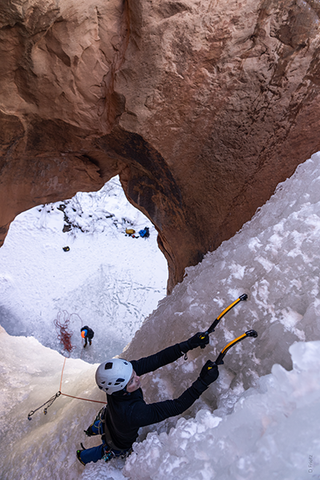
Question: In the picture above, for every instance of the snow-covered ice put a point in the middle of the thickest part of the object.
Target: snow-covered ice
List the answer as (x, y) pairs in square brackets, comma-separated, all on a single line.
[(258, 421), (272, 432)]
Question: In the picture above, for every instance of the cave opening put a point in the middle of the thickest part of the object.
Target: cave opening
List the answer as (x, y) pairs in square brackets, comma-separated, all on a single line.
[(76, 262)]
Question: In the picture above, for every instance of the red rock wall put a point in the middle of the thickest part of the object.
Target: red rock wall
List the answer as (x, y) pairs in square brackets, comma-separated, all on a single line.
[(201, 107)]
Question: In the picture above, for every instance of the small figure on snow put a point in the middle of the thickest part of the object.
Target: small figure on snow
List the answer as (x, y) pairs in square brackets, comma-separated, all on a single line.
[(87, 333), (126, 411), (144, 233)]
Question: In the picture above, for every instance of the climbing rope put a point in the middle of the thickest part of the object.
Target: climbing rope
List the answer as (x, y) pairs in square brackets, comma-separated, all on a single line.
[(54, 397), (62, 326)]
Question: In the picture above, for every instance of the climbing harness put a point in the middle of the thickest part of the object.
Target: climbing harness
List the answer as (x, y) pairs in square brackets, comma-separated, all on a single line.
[(97, 424), (108, 455), (99, 427), (107, 437)]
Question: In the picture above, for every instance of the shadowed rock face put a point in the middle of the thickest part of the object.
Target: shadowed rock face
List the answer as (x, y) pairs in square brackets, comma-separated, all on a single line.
[(202, 108)]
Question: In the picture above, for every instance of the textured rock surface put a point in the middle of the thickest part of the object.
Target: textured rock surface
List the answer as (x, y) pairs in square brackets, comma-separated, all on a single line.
[(202, 107)]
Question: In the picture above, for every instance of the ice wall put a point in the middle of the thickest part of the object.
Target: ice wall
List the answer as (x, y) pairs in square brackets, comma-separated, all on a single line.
[(272, 432), (275, 260), (44, 447)]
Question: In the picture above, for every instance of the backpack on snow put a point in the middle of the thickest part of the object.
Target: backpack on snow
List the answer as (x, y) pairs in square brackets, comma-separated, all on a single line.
[(144, 233)]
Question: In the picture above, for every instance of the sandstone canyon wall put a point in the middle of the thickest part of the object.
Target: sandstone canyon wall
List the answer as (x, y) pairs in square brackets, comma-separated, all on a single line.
[(200, 106)]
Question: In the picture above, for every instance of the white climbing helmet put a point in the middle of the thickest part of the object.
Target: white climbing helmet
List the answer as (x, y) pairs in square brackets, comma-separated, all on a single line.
[(113, 375)]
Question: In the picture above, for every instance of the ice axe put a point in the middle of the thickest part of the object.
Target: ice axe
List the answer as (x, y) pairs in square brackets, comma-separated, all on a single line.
[(242, 297), (219, 360), (248, 333)]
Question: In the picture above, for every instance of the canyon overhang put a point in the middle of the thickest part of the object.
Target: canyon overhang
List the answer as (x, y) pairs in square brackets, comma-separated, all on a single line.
[(202, 107)]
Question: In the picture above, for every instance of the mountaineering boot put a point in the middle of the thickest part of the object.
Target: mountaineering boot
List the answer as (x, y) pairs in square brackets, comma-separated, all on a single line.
[(79, 456), (89, 432), (93, 454)]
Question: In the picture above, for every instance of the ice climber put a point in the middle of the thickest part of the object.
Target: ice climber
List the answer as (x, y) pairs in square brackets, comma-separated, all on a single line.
[(87, 333), (126, 411)]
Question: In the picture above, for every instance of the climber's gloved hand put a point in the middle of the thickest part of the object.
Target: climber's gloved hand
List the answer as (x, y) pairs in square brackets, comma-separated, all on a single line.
[(209, 372), (200, 339)]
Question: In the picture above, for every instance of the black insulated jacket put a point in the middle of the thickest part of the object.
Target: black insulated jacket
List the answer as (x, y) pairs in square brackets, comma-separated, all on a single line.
[(126, 413)]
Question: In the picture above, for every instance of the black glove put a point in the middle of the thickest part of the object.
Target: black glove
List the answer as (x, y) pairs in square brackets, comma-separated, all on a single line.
[(209, 372), (200, 339)]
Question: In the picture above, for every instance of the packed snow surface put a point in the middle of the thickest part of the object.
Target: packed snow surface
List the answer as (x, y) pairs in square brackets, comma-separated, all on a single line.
[(106, 280), (258, 421)]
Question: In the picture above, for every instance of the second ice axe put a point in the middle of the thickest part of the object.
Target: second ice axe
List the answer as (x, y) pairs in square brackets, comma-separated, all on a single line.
[(242, 297)]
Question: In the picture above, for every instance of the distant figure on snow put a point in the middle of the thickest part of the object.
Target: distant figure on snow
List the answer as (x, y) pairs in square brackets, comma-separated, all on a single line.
[(87, 333), (126, 411), (145, 233)]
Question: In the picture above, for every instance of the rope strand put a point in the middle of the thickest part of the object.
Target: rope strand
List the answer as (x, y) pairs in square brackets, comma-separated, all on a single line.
[(64, 362), (54, 397), (86, 399)]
